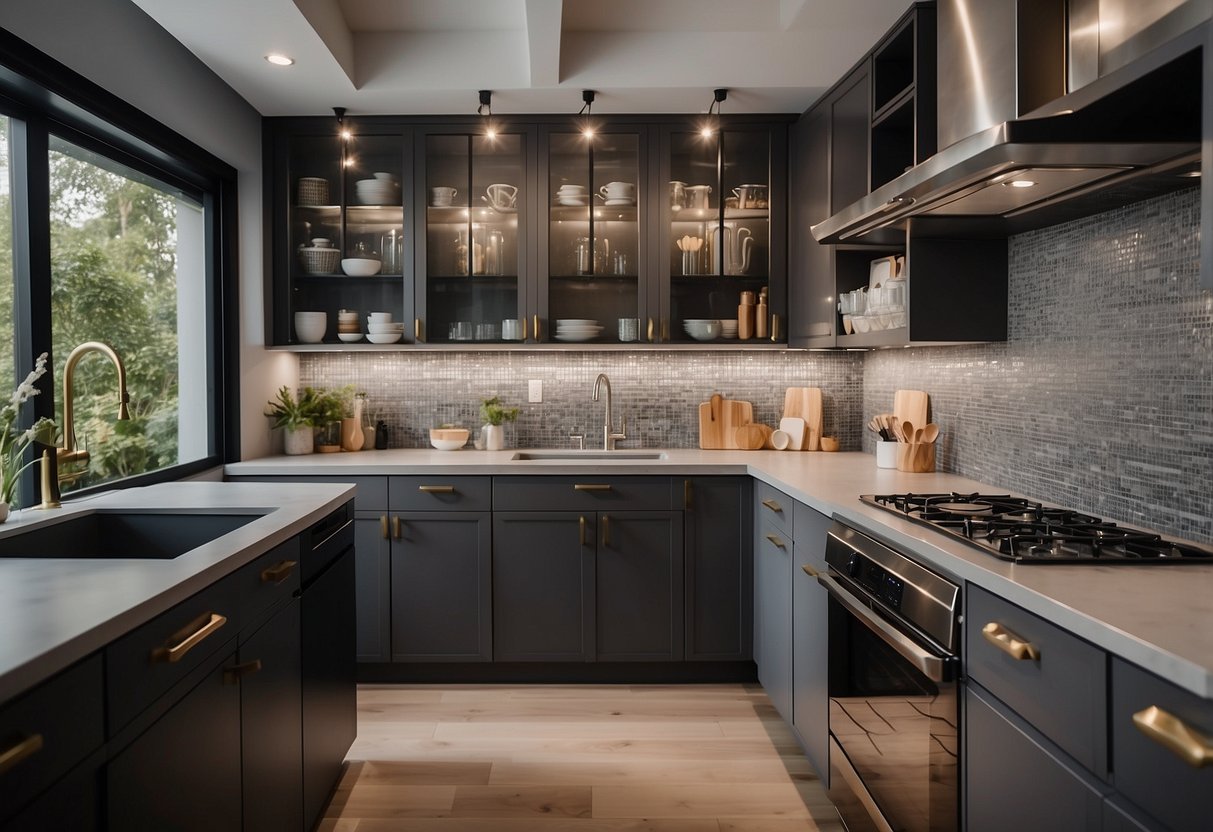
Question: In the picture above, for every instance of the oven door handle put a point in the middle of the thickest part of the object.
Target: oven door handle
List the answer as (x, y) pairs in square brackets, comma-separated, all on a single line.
[(935, 668)]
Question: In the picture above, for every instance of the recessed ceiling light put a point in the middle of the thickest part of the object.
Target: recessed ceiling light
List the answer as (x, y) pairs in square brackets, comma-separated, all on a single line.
[(279, 60), (1020, 183), (1190, 174)]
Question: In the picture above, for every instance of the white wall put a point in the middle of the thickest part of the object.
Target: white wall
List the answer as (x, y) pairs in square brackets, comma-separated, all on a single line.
[(117, 46)]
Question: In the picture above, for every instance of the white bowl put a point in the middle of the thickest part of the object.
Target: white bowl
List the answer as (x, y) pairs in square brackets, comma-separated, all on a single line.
[(447, 444), (349, 337), (384, 329), (861, 323), (702, 330), (310, 326), (384, 337), (361, 266)]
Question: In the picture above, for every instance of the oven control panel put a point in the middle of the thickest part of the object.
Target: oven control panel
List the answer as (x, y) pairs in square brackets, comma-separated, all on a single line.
[(882, 584)]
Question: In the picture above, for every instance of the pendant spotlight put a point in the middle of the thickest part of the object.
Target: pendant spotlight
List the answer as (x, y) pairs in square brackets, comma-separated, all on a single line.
[(587, 109), (344, 133), (485, 109), (712, 125)]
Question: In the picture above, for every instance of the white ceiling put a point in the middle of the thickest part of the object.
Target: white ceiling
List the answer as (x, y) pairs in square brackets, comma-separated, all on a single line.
[(430, 56)]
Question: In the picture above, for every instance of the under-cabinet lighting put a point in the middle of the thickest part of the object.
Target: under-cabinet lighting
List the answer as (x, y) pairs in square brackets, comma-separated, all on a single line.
[(1020, 183), (278, 59), (1190, 174)]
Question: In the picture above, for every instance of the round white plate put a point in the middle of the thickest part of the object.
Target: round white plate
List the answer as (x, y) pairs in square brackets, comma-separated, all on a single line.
[(560, 336), (385, 338), (576, 322)]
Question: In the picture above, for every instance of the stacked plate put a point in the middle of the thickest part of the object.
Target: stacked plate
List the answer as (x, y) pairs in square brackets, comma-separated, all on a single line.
[(577, 329), (384, 189), (384, 332), (348, 329)]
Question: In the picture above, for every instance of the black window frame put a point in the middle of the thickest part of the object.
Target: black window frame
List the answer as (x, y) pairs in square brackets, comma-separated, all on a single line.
[(42, 97)]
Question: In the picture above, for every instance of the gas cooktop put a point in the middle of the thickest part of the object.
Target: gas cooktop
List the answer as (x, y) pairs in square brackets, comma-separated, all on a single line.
[(1024, 531)]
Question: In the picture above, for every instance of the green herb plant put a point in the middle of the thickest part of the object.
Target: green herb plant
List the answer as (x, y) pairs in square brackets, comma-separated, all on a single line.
[(494, 413)]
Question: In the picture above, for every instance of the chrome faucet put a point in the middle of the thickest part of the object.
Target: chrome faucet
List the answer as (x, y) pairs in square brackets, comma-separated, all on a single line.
[(609, 437)]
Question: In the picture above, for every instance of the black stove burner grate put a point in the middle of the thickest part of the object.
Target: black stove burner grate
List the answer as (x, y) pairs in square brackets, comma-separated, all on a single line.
[(1024, 531)]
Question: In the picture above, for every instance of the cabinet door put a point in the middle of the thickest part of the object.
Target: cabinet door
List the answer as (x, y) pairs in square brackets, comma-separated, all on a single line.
[(270, 706), (72, 803), (850, 125), (719, 573), (1013, 781), (543, 586), (372, 586), (810, 611), (441, 585), (638, 599), (773, 616), (179, 773), (811, 290)]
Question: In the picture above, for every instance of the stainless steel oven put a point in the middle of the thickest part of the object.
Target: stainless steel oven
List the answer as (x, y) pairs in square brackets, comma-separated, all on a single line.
[(893, 687)]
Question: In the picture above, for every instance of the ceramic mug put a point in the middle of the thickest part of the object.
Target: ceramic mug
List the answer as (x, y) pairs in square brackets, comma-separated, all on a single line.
[(502, 195), (617, 190), (442, 197)]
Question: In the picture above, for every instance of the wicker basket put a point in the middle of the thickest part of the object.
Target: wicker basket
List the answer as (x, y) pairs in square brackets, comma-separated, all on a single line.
[(313, 190), (319, 260)]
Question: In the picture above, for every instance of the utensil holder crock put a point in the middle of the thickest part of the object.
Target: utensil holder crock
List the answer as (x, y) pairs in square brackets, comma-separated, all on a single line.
[(916, 457)]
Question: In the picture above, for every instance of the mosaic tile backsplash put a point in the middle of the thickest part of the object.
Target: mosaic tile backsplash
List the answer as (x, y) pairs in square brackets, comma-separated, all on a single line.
[(1102, 398), (659, 392)]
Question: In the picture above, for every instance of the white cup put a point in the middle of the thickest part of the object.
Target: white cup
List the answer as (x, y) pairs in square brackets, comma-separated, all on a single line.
[(618, 190), (886, 454), (511, 329), (780, 440), (442, 197), (629, 329), (379, 317)]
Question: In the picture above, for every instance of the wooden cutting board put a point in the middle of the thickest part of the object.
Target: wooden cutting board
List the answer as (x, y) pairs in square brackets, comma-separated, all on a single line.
[(751, 437), (911, 405), (719, 420), (805, 403)]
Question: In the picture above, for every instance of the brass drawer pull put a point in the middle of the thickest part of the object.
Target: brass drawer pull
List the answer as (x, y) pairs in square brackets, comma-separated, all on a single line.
[(1009, 643), (606, 530), (189, 638), (590, 486), (774, 539), (581, 530), (383, 526), (1171, 732), (396, 524), (810, 571), (232, 675), (773, 506), (14, 755), (436, 489), (278, 573)]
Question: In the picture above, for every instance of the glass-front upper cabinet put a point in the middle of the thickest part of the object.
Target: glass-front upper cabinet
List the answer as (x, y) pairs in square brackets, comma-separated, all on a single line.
[(472, 191), (591, 288), (726, 278), (346, 239)]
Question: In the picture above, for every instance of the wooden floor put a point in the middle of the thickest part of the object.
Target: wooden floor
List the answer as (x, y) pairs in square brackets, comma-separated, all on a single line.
[(499, 758)]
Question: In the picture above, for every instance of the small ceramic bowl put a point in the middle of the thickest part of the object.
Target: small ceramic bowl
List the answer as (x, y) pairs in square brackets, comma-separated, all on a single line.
[(780, 440), (449, 439), (361, 266)]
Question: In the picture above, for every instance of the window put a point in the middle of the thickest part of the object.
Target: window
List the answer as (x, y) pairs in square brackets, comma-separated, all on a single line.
[(128, 269), (7, 371)]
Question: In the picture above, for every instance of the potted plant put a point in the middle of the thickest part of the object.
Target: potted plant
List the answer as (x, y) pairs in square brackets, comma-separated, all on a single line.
[(14, 441), (495, 414), (299, 417)]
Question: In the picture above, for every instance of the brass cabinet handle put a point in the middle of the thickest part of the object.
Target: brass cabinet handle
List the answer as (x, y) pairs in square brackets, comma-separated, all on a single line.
[(776, 540), (775, 326), (436, 489), (17, 753), (524, 330), (581, 530), (232, 675), (606, 530), (810, 571), (650, 330), (417, 330), (535, 319), (665, 329), (686, 495), (591, 486), (773, 506), (1171, 732), (189, 638), (383, 526), (396, 524), (1009, 643), (278, 573)]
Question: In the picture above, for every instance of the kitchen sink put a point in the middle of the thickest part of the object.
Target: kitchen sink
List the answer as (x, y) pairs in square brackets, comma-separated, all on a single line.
[(523, 456), (144, 535)]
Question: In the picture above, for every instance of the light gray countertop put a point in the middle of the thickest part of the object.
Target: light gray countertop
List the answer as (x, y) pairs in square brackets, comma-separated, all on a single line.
[(1158, 617), (55, 611)]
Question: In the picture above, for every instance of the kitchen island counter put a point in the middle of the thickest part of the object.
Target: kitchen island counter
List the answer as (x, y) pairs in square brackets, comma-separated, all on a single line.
[(1153, 616), (55, 611)]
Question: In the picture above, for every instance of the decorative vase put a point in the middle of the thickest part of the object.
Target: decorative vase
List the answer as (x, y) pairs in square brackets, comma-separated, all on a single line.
[(299, 440), (351, 434), (494, 437), (3, 511)]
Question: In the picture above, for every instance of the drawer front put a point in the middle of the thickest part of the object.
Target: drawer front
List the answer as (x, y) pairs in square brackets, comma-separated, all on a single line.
[(440, 493), (1061, 691), (1148, 771), (590, 492), (774, 507), (268, 581), (371, 495), (45, 732), (145, 663)]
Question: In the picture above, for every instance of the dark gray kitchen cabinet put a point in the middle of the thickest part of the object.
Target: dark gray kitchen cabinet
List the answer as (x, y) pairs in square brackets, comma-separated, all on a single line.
[(810, 654), (718, 546), (372, 585), (1016, 779), (74, 802), (848, 105), (773, 606), (638, 590), (268, 669), (181, 773), (811, 295), (441, 581), (543, 586)]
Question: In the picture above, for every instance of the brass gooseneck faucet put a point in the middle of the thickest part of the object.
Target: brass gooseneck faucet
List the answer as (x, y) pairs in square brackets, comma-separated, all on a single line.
[(69, 453)]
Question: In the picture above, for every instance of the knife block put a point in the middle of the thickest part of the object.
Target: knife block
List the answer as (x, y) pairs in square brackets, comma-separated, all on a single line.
[(916, 457)]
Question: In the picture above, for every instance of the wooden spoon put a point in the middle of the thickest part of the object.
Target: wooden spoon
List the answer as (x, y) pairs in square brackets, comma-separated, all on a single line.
[(907, 431), (930, 433)]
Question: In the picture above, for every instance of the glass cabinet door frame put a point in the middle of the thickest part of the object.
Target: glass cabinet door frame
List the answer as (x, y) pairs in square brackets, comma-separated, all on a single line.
[(777, 182), (646, 144)]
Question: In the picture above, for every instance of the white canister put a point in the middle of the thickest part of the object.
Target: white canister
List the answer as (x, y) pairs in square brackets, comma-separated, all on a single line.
[(886, 454)]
